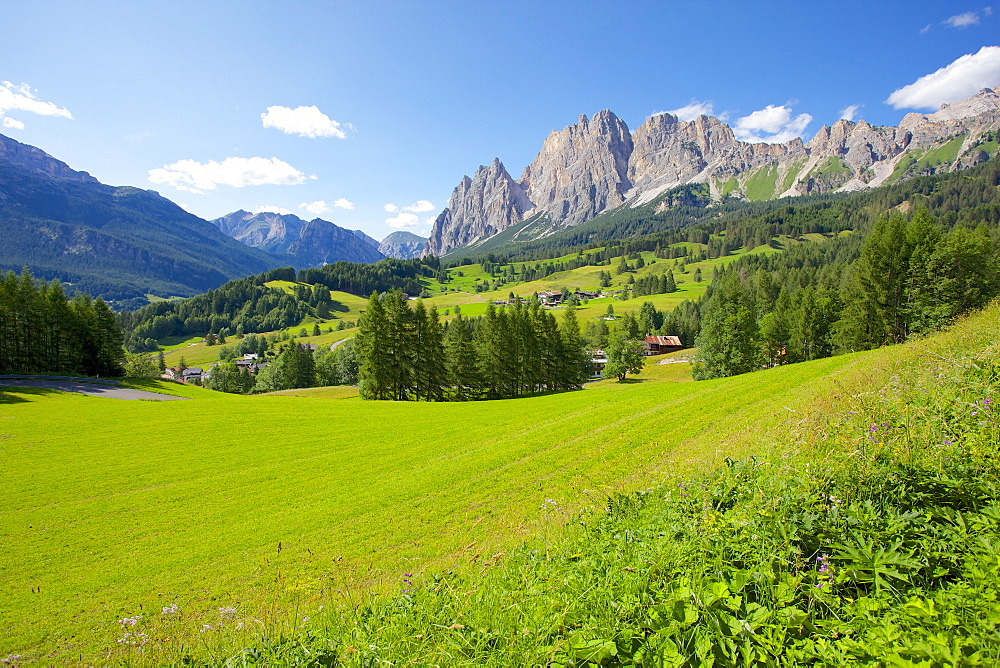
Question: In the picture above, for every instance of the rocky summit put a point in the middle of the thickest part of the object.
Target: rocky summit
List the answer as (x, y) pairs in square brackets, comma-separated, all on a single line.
[(597, 164)]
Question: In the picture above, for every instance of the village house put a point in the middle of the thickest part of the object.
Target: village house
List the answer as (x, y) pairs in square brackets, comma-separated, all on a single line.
[(659, 345), (192, 374), (598, 360)]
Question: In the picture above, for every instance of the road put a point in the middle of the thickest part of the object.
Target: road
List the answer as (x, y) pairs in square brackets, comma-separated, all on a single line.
[(92, 389)]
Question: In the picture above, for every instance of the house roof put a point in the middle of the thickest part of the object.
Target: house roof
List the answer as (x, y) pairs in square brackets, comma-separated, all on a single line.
[(664, 340)]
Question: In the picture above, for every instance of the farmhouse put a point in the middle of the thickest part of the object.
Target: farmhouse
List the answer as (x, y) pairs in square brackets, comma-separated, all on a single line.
[(658, 345)]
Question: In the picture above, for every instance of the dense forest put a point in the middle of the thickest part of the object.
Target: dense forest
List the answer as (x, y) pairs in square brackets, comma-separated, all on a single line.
[(44, 332), (405, 353), (910, 275)]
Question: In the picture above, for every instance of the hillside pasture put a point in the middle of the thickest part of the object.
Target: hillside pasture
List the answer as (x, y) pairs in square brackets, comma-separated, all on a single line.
[(270, 504)]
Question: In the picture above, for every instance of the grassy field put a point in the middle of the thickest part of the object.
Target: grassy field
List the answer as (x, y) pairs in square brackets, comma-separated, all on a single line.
[(276, 503)]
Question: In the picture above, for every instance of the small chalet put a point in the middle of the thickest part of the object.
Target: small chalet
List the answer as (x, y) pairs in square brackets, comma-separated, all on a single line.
[(658, 345), (193, 373), (583, 294)]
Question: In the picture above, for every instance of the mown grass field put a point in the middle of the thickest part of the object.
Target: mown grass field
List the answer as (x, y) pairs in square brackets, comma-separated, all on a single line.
[(277, 503)]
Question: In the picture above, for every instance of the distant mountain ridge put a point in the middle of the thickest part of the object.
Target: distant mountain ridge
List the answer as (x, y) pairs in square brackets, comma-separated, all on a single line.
[(402, 245), (597, 164), (297, 242), (120, 243)]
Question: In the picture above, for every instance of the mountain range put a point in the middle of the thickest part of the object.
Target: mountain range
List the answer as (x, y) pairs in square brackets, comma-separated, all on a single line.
[(121, 243), (297, 242), (597, 165), (129, 245)]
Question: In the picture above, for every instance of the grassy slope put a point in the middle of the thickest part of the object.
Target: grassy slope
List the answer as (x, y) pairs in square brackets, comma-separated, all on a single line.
[(129, 504)]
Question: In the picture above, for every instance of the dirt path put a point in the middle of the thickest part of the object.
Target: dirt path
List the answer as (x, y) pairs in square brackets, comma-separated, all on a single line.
[(92, 389)]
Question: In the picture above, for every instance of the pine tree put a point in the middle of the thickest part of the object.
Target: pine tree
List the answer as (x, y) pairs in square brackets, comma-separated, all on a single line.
[(460, 359), (374, 355), (576, 358), (730, 341)]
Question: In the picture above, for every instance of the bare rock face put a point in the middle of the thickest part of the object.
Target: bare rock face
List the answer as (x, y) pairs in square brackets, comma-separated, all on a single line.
[(581, 169), (488, 203), (321, 242)]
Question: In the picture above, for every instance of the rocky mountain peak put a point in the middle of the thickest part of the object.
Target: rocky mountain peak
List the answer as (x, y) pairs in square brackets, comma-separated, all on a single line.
[(581, 169), (487, 203)]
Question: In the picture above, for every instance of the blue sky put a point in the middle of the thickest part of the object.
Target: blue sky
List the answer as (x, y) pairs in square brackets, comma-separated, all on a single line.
[(348, 109)]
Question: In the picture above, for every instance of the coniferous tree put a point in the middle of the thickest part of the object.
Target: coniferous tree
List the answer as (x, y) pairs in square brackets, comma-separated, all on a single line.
[(730, 341), (461, 359), (576, 358), (375, 376)]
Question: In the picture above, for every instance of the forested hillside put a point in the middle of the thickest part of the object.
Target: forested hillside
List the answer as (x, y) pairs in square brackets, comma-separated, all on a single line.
[(248, 305)]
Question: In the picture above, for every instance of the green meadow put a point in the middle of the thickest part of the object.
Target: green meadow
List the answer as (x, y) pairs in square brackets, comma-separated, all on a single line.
[(280, 503)]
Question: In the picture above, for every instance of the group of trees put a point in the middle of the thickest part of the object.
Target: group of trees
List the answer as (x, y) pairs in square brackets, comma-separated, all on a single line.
[(43, 331), (406, 353), (909, 276)]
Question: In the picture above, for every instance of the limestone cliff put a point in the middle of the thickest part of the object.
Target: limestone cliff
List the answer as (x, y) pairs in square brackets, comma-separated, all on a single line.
[(596, 165), (488, 203)]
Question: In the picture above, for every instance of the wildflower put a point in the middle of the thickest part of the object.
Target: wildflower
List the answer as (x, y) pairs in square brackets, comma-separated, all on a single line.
[(228, 610), (171, 609), (873, 428), (821, 562), (206, 627), (130, 621), (305, 619)]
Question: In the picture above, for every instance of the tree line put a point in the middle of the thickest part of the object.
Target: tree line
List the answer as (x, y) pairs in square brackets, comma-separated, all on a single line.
[(43, 331), (406, 353)]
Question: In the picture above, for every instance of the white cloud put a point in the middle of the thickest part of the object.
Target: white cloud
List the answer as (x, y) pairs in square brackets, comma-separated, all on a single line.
[(302, 121), (391, 208), (850, 112), (692, 111), (926, 29), (403, 221), (315, 208), (420, 206), (270, 208), (962, 20), (344, 204), (193, 176), (15, 97), (771, 125), (962, 78)]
